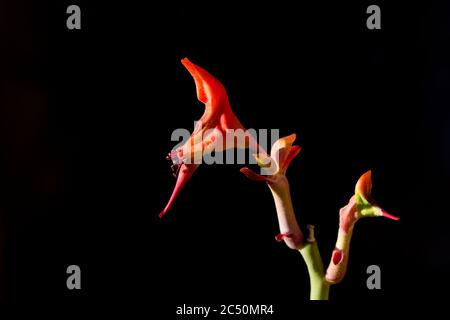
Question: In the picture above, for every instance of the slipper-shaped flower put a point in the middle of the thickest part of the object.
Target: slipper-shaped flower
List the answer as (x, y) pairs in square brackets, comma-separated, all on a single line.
[(209, 132), (360, 205)]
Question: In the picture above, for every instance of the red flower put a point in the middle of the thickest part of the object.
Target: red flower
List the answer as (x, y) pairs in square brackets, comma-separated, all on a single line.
[(209, 131)]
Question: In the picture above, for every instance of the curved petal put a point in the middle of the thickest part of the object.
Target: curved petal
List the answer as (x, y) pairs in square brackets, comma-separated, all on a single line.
[(218, 113), (389, 216), (215, 121), (281, 148), (364, 186), (295, 150), (209, 90), (253, 175), (207, 86), (185, 173)]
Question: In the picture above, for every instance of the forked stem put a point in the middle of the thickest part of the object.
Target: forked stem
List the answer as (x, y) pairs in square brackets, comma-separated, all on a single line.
[(310, 252)]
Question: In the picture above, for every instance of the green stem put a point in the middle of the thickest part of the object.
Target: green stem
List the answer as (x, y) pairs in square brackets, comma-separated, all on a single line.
[(310, 253)]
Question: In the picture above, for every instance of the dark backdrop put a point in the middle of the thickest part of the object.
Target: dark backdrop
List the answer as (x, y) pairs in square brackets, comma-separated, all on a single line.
[(86, 123)]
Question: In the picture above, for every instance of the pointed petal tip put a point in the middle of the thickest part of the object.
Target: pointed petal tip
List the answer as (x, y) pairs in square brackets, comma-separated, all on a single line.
[(390, 216), (288, 140), (192, 68), (252, 175), (185, 172), (291, 138), (165, 210), (185, 60), (186, 63)]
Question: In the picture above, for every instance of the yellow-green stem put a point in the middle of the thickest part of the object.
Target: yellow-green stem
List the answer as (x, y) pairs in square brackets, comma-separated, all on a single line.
[(319, 286)]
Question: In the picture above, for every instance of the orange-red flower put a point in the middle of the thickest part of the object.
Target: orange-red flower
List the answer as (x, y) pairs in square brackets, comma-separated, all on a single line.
[(209, 131)]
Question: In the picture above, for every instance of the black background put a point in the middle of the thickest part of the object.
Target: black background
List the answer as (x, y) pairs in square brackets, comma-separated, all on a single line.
[(86, 123)]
